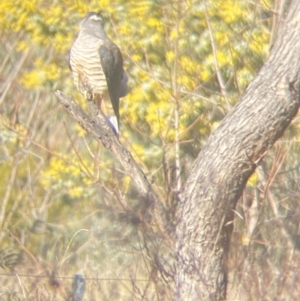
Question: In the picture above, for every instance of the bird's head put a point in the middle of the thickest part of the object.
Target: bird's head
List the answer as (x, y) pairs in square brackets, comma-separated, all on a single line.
[(92, 21)]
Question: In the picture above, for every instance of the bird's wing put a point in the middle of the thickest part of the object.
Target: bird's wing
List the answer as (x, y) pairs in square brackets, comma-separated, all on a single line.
[(124, 84), (112, 65)]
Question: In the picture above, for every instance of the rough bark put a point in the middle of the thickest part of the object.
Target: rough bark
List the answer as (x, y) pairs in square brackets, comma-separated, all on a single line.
[(206, 202), (220, 172)]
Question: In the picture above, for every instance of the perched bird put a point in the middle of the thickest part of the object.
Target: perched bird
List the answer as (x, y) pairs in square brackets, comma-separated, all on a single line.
[(97, 65)]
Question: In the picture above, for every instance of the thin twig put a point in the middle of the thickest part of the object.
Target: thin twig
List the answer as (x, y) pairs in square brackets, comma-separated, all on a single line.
[(99, 129), (217, 67)]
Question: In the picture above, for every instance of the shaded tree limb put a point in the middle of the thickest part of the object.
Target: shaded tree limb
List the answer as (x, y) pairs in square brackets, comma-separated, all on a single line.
[(222, 168), (99, 129)]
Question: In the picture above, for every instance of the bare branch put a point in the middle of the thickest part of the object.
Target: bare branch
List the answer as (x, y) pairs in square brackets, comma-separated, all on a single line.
[(217, 67), (99, 129)]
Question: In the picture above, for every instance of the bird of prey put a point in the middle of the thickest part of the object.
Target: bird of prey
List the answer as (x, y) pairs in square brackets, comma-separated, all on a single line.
[(97, 65)]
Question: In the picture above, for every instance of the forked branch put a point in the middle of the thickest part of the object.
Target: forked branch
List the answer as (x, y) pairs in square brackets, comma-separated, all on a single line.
[(99, 129)]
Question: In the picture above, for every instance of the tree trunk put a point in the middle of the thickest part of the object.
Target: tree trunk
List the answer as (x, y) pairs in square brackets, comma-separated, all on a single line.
[(219, 174)]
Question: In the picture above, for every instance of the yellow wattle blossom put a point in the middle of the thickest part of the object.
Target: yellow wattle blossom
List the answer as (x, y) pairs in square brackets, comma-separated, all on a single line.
[(252, 181), (170, 56)]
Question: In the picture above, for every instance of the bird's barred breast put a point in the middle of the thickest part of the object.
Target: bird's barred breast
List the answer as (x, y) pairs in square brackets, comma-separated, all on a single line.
[(85, 58)]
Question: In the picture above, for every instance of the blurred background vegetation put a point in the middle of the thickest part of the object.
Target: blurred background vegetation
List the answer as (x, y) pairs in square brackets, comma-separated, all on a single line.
[(67, 206)]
